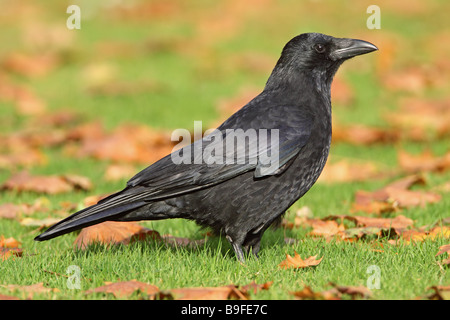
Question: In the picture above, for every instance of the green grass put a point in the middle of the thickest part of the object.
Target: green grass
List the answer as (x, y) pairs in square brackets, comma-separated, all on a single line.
[(190, 88)]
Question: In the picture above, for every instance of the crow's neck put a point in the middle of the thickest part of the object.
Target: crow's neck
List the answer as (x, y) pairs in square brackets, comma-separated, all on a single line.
[(294, 86)]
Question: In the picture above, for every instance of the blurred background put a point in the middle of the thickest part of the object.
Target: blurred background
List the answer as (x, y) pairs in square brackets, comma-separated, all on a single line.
[(139, 69)]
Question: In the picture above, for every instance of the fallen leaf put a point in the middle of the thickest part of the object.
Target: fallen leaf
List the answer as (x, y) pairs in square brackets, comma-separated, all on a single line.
[(29, 290), (128, 143), (445, 249), (346, 171), (12, 211), (52, 184), (394, 196), (425, 161), (298, 262), (361, 135), (421, 119), (207, 293), (112, 232), (254, 287), (440, 293), (335, 293), (116, 172), (125, 289), (327, 229), (23, 157), (3, 297), (30, 65)]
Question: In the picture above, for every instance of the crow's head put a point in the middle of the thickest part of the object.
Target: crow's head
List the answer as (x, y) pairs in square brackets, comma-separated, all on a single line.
[(316, 53), (316, 50)]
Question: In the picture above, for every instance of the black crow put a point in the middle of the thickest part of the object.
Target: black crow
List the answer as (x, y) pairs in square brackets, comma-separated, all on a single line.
[(241, 194)]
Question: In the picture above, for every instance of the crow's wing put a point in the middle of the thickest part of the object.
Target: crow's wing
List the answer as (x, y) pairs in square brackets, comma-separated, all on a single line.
[(165, 178)]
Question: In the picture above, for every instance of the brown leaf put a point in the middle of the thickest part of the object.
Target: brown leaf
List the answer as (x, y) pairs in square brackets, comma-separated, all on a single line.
[(325, 229), (9, 248), (440, 293), (255, 288), (445, 249), (30, 65), (25, 101), (334, 293), (124, 289), (437, 232), (112, 232), (23, 181), (394, 196), (116, 172), (421, 119), (425, 161), (3, 297), (29, 290), (23, 157), (208, 293), (12, 211), (361, 135), (128, 143), (346, 171), (298, 262)]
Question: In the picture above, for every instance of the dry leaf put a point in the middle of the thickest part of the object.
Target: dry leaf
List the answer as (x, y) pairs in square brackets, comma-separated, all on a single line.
[(425, 161), (128, 143), (116, 172), (125, 289), (361, 135), (440, 293), (9, 248), (298, 262), (112, 232), (327, 229), (394, 196), (23, 181), (437, 232), (335, 293), (443, 249), (12, 211), (345, 171), (208, 293), (29, 290), (30, 65), (421, 119), (253, 287)]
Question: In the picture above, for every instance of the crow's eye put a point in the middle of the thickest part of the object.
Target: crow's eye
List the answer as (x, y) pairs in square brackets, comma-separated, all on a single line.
[(320, 48)]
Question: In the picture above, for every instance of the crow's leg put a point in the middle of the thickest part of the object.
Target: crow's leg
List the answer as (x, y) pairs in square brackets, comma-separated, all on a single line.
[(237, 247), (252, 243)]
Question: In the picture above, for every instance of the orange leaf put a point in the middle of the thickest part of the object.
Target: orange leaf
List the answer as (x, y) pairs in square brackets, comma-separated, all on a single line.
[(125, 289), (23, 181), (208, 293), (111, 232), (298, 262)]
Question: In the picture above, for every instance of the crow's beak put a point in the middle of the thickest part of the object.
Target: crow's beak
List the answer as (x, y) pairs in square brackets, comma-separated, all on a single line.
[(348, 48)]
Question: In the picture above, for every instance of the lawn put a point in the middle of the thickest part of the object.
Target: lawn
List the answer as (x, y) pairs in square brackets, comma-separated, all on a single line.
[(160, 66)]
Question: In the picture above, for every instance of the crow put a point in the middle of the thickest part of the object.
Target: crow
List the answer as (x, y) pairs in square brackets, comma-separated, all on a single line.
[(242, 196)]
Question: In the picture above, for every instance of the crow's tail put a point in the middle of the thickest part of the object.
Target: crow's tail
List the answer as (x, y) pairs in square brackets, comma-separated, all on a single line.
[(109, 209)]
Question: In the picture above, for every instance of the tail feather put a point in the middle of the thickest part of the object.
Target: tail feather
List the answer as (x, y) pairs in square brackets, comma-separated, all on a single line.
[(111, 208)]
